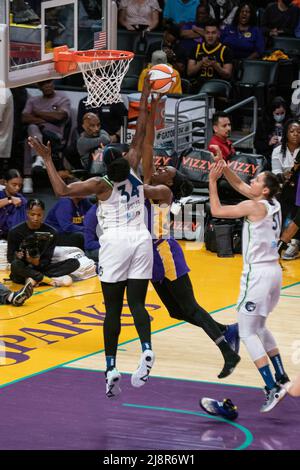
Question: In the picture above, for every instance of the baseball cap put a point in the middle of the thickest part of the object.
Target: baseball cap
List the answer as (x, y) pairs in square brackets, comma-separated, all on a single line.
[(159, 57)]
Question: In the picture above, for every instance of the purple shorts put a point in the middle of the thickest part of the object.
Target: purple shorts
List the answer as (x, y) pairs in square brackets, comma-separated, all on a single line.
[(168, 260)]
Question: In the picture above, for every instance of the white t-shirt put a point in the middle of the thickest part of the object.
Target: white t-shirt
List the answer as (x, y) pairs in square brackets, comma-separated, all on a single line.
[(280, 164), (6, 122)]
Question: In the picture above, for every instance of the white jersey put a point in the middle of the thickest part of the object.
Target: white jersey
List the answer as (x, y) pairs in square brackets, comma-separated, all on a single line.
[(123, 211), (260, 238)]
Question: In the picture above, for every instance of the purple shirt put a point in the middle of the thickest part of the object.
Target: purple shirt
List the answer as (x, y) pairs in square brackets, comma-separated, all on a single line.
[(59, 102)]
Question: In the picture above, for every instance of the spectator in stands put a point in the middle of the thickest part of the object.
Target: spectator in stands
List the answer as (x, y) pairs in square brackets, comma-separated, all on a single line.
[(30, 253), (111, 117), (139, 14), (180, 11), (284, 164), (12, 203), (46, 117), (193, 32), (91, 235), (223, 11), (222, 129), (245, 39), (170, 44), (209, 60), (283, 156), (6, 123), (270, 127), (91, 140), (67, 217), (280, 18), (160, 57)]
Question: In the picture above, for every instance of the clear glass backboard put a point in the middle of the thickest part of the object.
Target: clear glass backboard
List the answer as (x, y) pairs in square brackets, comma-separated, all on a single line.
[(29, 30)]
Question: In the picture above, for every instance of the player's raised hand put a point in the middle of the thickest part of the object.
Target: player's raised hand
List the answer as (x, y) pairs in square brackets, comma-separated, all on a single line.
[(41, 149), (216, 171), (216, 152)]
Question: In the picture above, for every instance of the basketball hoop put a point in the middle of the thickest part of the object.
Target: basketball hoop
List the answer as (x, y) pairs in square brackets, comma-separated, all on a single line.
[(103, 71)]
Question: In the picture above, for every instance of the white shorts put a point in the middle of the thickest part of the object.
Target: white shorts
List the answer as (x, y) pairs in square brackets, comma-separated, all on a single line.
[(260, 289), (126, 257)]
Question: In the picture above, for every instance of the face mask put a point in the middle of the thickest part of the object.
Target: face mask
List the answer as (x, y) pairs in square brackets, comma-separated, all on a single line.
[(221, 3), (279, 117)]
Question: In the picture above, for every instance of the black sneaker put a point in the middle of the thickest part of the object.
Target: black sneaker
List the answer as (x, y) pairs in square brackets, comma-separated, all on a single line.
[(282, 380), (230, 363), (23, 294)]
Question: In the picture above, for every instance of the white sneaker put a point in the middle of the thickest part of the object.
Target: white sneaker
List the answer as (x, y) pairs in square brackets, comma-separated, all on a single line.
[(62, 281), (273, 397), (27, 186), (39, 161), (113, 378), (141, 375), (292, 251)]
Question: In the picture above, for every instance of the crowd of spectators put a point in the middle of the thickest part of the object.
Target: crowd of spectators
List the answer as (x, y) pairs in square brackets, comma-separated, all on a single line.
[(203, 40)]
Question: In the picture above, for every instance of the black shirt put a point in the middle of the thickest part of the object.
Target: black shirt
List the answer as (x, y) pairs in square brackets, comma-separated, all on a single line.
[(220, 53), (21, 232)]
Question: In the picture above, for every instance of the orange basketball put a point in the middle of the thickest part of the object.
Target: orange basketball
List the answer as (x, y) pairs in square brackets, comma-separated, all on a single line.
[(162, 77)]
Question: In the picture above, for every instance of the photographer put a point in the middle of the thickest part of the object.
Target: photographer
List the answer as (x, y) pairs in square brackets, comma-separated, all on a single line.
[(30, 249)]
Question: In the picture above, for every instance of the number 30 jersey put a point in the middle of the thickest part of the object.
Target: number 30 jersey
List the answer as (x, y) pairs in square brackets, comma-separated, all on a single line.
[(124, 209), (260, 238)]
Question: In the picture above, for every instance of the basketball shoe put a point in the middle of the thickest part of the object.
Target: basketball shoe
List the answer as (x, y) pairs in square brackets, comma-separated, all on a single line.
[(141, 375), (273, 397), (224, 408), (113, 378), (61, 281), (23, 294), (283, 381)]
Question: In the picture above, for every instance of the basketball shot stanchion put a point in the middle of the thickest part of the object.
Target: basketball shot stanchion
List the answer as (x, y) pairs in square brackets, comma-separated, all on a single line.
[(102, 70)]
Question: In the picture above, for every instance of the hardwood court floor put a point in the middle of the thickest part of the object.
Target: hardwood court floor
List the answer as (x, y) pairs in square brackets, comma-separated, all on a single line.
[(63, 327)]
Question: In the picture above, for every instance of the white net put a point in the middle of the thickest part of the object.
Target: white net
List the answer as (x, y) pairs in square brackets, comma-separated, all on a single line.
[(103, 79)]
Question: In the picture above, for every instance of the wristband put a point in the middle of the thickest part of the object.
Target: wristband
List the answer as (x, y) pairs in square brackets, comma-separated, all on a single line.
[(281, 245), (9, 198)]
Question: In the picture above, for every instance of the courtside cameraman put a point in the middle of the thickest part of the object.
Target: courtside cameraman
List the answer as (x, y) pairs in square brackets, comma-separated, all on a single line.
[(30, 249)]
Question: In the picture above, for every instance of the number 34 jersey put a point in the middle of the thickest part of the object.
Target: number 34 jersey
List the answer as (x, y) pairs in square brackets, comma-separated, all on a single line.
[(123, 211), (260, 238)]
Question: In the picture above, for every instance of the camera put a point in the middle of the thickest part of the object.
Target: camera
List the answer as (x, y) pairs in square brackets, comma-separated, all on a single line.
[(31, 244)]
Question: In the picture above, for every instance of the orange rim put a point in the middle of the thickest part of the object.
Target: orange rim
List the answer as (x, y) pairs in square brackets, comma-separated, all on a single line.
[(64, 54)]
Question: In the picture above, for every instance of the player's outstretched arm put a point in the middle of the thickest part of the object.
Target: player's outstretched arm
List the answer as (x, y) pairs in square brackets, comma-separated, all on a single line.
[(160, 193), (235, 181), (76, 189), (147, 150), (135, 151), (243, 209)]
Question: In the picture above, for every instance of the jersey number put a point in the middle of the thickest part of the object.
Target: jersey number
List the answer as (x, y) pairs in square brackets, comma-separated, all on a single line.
[(134, 192), (275, 221)]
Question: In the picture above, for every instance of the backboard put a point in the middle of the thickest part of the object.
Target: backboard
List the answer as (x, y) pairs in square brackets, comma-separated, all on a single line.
[(30, 30)]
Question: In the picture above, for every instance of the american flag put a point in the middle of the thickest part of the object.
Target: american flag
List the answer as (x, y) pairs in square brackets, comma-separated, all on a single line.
[(100, 40)]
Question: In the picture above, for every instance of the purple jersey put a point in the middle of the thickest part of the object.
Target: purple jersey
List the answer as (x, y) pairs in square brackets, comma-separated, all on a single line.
[(168, 257)]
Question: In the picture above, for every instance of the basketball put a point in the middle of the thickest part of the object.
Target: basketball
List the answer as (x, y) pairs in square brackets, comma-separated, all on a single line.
[(162, 77)]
